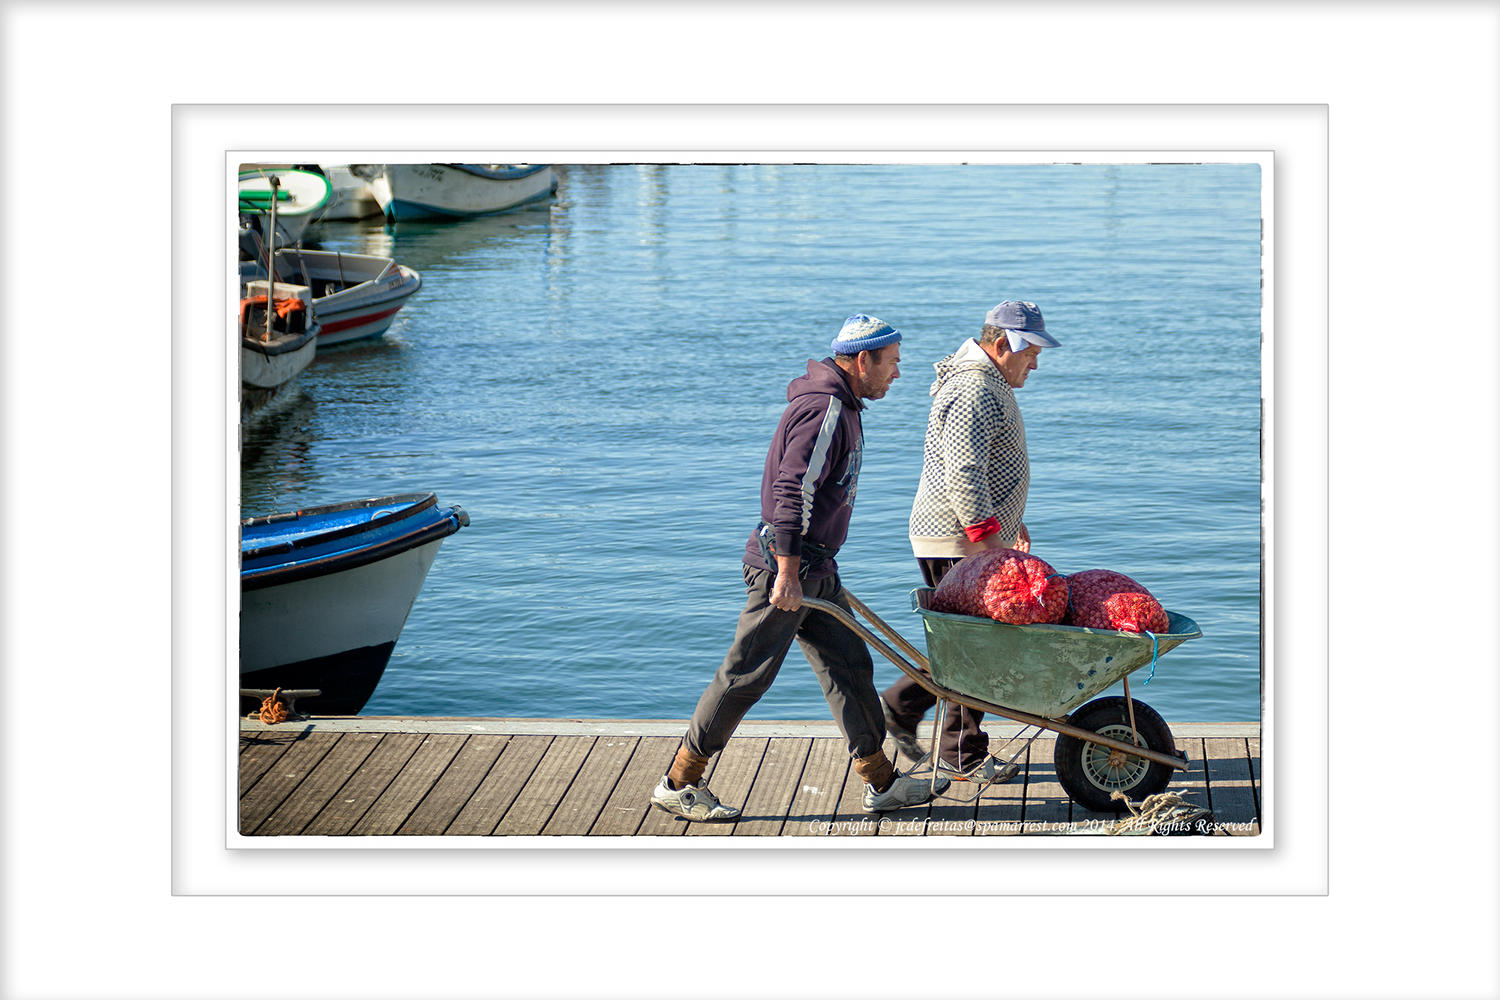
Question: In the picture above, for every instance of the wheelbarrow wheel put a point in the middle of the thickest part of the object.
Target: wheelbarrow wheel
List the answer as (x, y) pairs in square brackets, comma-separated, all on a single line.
[(1089, 772)]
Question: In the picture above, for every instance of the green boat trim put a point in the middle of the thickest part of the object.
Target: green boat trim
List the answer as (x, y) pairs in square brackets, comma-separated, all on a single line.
[(259, 199)]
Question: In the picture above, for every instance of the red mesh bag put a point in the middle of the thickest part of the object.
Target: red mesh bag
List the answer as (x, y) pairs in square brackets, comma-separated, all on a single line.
[(1101, 598), (1007, 585)]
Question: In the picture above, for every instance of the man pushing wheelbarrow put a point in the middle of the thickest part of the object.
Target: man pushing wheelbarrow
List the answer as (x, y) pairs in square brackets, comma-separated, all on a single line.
[(807, 495)]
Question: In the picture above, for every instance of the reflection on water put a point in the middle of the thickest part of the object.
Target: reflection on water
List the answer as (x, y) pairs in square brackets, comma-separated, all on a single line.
[(425, 244), (276, 448)]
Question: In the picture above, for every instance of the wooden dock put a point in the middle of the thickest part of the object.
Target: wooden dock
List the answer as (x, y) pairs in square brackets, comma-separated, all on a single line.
[(401, 776)]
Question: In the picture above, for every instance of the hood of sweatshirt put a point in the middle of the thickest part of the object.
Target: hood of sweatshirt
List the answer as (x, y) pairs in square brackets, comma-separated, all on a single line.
[(824, 378), (968, 357)]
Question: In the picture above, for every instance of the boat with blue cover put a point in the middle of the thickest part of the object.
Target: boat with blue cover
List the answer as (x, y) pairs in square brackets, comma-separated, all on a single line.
[(325, 592)]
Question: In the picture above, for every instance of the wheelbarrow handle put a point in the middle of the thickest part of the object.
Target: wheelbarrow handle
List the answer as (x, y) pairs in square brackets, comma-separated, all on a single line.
[(916, 673), (925, 681), (916, 654)]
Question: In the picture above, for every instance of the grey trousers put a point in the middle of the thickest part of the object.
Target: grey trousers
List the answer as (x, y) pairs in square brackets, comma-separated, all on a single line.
[(838, 657)]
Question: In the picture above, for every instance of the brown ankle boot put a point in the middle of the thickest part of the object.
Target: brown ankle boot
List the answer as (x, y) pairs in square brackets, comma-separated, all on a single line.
[(876, 770), (687, 768)]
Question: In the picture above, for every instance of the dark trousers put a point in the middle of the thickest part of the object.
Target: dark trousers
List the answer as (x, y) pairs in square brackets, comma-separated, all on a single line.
[(762, 639), (960, 742)]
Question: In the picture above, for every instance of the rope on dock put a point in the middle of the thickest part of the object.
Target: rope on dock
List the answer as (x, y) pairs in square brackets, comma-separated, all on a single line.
[(273, 709), (1155, 811)]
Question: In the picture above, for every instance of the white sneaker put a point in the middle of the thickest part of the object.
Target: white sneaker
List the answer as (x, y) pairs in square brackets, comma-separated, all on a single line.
[(985, 771), (906, 741), (906, 790), (694, 802)]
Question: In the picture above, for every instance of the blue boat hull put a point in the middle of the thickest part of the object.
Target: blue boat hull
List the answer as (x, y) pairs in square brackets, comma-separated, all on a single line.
[(325, 593)]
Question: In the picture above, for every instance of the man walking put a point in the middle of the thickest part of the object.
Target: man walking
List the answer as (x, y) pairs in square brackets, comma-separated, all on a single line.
[(807, 495), (975, 474)]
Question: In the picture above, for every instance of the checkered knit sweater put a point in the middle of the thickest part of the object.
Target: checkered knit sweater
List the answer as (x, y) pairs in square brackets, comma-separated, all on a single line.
[(974, 463)]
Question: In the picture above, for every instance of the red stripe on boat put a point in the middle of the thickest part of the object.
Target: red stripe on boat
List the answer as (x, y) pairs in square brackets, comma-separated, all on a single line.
[(345, 324)]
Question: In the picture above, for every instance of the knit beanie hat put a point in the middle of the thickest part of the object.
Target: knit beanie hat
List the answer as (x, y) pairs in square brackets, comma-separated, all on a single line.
[(864, 333)]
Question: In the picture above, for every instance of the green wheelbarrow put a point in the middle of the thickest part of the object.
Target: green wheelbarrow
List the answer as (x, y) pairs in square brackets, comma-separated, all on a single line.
[(1045, 676)]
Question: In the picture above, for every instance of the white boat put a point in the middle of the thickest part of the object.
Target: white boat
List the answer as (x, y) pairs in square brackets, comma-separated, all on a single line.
[(459, 190), (352, 196), (354, 295), (299, 196), (270, 358), (326, 591)]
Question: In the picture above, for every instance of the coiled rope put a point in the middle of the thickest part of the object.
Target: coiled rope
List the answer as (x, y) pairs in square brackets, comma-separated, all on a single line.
[(1155, 810), (273, 709)]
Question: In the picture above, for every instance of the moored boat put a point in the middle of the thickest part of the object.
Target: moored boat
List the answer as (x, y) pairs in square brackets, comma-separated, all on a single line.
[(273, 353), (458, 190), (354, 295), (352, 197), (325, 592), (299, 197)]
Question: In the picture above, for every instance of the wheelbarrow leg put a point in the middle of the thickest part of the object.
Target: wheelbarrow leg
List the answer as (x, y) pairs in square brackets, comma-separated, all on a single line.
[(932, 746), (1026, 745), (1130, 711)]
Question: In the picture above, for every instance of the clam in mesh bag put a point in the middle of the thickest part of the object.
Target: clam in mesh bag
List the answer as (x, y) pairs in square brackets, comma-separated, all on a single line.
[(1007, 585), (1101, 598)]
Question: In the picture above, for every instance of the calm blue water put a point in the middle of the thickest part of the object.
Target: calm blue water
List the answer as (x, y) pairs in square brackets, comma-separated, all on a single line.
[(596, 383)]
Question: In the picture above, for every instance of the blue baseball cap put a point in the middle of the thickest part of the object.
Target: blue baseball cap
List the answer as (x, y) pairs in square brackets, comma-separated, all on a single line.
[(864, 333), (1022, 323)]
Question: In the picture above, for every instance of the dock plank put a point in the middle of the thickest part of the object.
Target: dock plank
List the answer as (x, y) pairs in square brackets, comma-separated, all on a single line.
[(1000, 806), (1252, 746), (259, 751), (558, 777), (416, 777), (734, 773), (367, 783), (1194, 784), (596, 780), (482, 813), (283, 777), (816, 800), (453, 790), (770, 800), (630, 801), (1047, 808), (330, 774), (539, 797), (1233, 799)]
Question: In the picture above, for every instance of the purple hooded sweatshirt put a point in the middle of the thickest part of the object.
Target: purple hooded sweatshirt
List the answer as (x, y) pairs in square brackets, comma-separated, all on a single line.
[(812, 469)]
